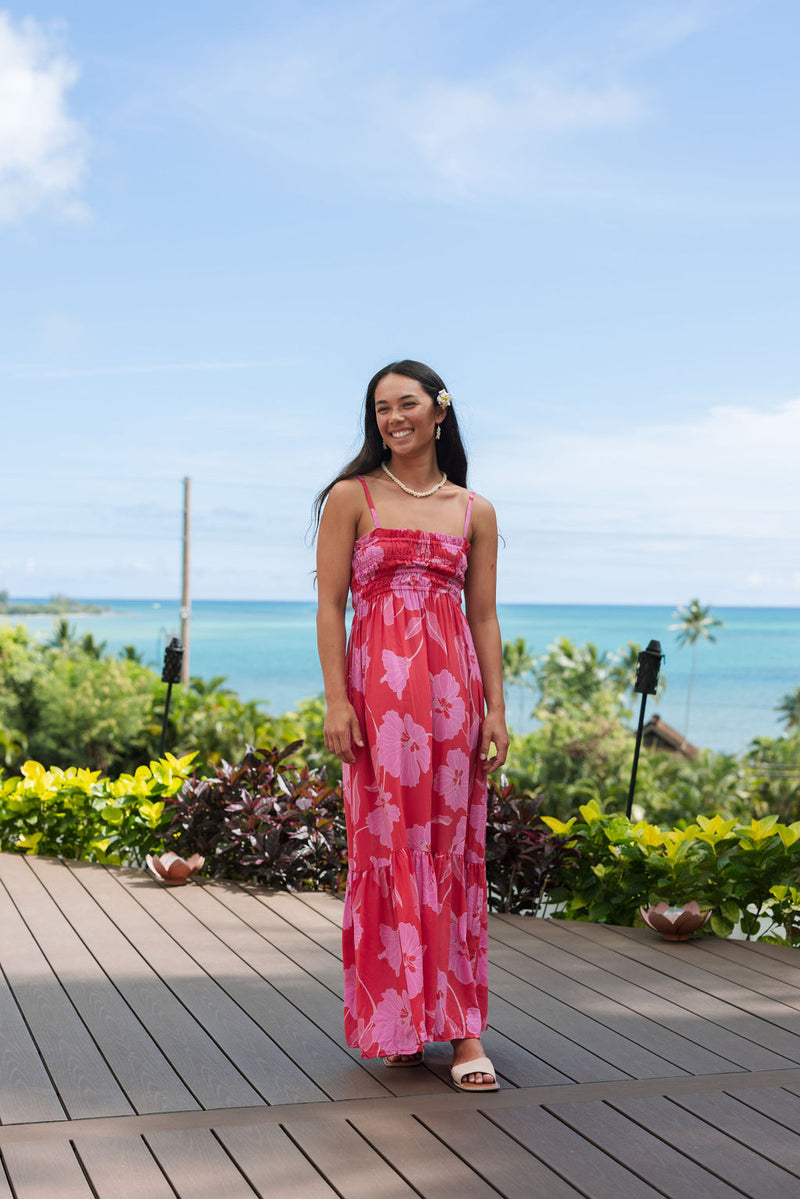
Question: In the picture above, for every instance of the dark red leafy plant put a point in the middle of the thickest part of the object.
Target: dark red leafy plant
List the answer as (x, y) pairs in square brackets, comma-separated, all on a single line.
[(264, 821), (524, 858)]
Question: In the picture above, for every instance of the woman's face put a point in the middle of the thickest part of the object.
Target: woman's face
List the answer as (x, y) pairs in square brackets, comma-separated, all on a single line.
[(407, 416)]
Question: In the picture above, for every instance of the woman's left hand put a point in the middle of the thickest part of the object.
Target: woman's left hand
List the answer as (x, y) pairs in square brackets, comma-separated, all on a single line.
[(494, 730)]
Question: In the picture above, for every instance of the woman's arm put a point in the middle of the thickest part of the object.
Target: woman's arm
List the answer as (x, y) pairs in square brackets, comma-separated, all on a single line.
[(337, 534), (481, 609)]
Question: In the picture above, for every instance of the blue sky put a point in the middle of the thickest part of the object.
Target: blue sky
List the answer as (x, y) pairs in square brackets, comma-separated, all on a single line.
[(217, 221)]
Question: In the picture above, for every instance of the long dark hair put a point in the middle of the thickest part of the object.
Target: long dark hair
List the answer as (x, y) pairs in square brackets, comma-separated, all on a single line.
[(450, 453)]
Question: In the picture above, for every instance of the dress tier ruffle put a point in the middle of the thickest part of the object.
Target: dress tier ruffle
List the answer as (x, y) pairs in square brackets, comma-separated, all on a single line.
[(415, 940)]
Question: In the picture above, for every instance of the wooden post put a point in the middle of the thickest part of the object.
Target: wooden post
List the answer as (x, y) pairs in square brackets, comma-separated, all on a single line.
[(186, 609)]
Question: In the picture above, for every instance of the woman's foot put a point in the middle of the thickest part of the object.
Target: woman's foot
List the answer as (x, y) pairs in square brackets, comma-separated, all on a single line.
[(468, 1050), (406, 1059)]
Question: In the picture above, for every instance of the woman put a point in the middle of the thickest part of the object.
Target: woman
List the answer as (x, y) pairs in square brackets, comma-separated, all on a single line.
[(414, 703)]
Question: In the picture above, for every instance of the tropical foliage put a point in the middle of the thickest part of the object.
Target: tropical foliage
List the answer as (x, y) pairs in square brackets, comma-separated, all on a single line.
[(76, 813), (694, 624), (744, 872)]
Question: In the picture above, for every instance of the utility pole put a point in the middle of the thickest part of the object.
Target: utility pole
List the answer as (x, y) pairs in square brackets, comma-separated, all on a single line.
[(186, 609)]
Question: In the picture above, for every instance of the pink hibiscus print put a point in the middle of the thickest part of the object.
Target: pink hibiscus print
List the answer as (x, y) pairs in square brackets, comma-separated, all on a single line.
[(382, 818), (403, 748), (459, 961), (452, 779), (350, 980), (397, 668), (392, 1025), (358, 668), (474, 1022), (369, 560), (403, 951), (412, 579), (437, 1018), (476, 904), (448, 706)]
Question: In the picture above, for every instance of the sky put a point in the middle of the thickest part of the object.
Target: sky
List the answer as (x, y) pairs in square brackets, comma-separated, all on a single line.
[(217, 221)]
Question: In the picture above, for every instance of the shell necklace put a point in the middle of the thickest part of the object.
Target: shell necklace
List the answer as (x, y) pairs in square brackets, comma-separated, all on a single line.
[(420, 495)]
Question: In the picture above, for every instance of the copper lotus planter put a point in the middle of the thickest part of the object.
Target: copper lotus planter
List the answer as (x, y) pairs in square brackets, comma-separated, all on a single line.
[(171, 869), (673, 922)]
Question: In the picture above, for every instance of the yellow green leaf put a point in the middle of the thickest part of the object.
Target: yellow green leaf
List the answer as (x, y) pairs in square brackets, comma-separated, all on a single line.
[(558, 826), (29, 842), (590, 811)]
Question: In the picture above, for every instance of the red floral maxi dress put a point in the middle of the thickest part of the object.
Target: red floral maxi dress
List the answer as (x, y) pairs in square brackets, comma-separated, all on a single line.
[(414, 938)]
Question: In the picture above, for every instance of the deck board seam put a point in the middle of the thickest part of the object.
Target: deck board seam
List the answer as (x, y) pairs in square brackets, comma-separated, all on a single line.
[(546, 1097)]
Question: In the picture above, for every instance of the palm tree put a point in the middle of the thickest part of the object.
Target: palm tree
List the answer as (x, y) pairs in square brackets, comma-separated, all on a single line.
[(92, 648), (64, 635), (517, 668), (694, 624), (789, 709), (129, 653)]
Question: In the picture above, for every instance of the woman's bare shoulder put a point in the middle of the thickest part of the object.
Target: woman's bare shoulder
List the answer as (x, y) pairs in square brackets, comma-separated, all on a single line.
[(482, 509)]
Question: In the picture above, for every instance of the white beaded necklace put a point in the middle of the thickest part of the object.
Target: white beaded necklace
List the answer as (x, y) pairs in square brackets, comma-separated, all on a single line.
[(419, 495)]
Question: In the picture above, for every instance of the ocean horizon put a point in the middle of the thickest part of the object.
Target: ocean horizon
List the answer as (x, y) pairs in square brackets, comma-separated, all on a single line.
[(266, 651)]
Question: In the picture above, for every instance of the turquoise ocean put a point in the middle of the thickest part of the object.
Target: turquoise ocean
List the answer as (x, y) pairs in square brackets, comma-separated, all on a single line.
[(266, 651)]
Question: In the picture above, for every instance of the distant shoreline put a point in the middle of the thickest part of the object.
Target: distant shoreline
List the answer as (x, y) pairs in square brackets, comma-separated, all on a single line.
[(57, 606)]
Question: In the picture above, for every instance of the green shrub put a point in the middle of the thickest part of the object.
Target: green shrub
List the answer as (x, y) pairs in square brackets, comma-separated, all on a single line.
[(745, 873), (75, 813)]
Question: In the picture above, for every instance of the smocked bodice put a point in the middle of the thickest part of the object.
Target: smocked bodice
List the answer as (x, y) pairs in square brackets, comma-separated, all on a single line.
[(409, 563)]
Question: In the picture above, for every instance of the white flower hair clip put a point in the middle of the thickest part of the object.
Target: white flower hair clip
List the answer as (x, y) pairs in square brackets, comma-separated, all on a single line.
[(444, 399)]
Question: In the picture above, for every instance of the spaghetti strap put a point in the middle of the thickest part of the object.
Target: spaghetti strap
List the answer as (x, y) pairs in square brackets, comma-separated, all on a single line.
[(469, 513), (363, 483)]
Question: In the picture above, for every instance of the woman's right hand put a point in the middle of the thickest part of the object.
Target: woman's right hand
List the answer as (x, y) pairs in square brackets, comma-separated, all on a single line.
[(341, 731)]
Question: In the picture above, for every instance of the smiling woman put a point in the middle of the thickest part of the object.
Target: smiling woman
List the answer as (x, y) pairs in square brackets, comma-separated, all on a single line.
[(414, 702)]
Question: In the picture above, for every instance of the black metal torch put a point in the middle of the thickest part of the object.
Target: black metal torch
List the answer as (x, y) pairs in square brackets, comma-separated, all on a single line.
[(650, 660), (173, 660)]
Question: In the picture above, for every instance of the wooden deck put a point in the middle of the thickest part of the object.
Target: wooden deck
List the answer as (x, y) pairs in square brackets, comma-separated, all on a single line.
[(160, 1042)]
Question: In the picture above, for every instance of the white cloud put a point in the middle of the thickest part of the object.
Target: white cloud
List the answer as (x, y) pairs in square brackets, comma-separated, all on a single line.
[(42, 148), (327, 94), (490, 135), (729, 473)]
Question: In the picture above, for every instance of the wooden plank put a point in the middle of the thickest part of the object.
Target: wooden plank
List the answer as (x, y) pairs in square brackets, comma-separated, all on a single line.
[(771, 1140), (635, 1012), (81, 1077), (284, 937), (326, 904), (122, 1168), (26, 1092), (714, 1150), (272, 1163), (347, 1161), (727, 961), (45, 1171), (313, 980), (5, 1186), (591, 1171), (748, 1015), (760, 958), (210, 1078), (603, 1026), (718, 1020), (778, 1103), (574, 1060), (637, 1150), (257, 1058), (142, 1071), (302, 917), (196, 1164), (209, 931), (510, 1166), (421, 1157)]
